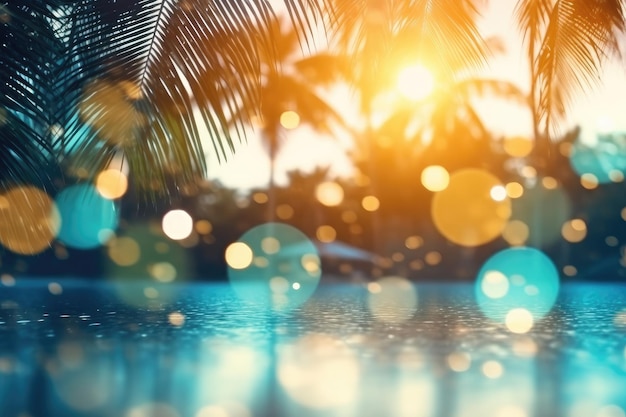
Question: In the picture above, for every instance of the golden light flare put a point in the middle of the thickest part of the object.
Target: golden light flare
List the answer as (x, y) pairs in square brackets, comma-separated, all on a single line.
[(370, 203), (311, 263), (326, 233), (349, 216), (514, 189), (204, 227), (260, 197), (433, 258), (124, 251), (589, 181), (177, 224), (413, 242), (518, 146), (290, 119), (466, 212), (239, 255), (574, 231), (111, 184), (435, 178), (329, 193), (516, 233), (415, 82), (29, 220), (549, 183), (284, 211)]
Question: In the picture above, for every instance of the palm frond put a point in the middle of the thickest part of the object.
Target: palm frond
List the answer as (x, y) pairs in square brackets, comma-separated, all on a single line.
[(579, 37), (532, 17), (149, 77), (27, 45)]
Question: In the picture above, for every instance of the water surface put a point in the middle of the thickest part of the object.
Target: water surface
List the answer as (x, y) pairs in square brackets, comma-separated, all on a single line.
[(91, 350)]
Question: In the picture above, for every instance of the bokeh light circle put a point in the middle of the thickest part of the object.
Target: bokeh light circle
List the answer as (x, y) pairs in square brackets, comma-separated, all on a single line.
[(519, 320), (435, 178), (29, 220), (282, 279), (238, 255), (111, 183), (604, 158), (533, 284), (466, 212), (290, 119), (177, 224), (518, 146), (88, 220), (329, 193)]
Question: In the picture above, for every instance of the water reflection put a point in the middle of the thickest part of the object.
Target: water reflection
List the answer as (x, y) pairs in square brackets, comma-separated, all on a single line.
[(83, 353)]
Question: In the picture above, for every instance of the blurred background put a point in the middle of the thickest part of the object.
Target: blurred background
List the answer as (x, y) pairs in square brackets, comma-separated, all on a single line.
[(423, 168)]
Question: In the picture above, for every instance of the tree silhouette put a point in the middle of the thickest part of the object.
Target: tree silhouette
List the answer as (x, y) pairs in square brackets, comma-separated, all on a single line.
[(290, 93), (84, 80)]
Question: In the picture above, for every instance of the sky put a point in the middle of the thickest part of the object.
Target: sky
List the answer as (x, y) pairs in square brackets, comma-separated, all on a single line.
[(598, 110)]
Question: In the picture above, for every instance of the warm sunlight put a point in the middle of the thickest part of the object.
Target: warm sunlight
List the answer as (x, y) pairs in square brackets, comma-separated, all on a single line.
[(415, 82)]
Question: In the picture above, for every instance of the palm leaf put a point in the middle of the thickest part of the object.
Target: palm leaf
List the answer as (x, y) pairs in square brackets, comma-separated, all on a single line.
[(568, 41), (27, 45), (148, 77)]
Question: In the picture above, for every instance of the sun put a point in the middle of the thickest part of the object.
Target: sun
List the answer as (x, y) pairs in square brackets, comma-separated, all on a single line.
[(415, 82)]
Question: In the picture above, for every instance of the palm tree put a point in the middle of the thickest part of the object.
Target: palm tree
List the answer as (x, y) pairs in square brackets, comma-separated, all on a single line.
[(84, 80), (291, 83), (566, 42)]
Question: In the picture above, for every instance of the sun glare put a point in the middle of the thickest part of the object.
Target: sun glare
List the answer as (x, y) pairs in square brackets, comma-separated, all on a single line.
[(415, 82)]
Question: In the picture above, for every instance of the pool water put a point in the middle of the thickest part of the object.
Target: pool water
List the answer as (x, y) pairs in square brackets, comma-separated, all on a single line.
[(80, 348)]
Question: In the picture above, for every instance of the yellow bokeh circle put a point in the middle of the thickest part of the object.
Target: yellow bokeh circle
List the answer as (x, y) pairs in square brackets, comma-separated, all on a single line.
[(466, 212), (29, 220), (111, 184)]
